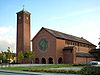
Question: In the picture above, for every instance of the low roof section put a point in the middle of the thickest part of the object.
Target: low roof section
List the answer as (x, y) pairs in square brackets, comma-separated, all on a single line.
[(81, 54)]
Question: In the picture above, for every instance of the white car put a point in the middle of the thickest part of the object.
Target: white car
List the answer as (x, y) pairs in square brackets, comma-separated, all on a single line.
[(94, 62)]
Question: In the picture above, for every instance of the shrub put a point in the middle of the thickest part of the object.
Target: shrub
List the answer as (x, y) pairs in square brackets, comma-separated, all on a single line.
[(79, 64), (90, 70), (53, 71)]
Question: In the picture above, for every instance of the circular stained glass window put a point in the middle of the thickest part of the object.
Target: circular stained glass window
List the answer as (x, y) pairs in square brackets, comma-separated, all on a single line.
[(43, 44)]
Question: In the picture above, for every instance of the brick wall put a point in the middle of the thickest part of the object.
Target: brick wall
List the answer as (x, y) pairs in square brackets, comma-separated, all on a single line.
[(84, 59), (68, 57), (51, 50), (60, 44)]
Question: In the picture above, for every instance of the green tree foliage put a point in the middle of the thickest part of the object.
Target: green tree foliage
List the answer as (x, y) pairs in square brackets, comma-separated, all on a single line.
[(8, 54), (20, 56), (5, 57), (28, 55), (1, 57), (97, 54)]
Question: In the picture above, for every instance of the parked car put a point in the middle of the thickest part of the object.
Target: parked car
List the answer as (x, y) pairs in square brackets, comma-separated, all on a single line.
[(94, 62)]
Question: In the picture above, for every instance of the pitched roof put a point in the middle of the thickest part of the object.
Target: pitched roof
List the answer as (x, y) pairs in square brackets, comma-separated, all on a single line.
[(61, 35)]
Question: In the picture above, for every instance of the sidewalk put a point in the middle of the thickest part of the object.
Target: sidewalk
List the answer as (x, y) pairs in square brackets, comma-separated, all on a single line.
[(20, 72), (33, 73), (68, 68)]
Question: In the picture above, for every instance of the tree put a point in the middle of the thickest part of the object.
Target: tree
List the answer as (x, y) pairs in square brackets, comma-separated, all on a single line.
[(28, 56), (4, 57), (96, 53), (13, 56), (20, 57), (1, 57), (8, 54)]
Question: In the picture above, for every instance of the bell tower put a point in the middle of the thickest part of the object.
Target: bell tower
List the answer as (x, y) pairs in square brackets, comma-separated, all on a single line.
[(23, 32)]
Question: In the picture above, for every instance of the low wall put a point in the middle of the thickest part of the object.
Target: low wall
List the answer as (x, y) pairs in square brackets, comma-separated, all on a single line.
[(79, 60)]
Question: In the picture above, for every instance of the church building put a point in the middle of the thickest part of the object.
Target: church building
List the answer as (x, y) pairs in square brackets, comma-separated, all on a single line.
[(51, 46)]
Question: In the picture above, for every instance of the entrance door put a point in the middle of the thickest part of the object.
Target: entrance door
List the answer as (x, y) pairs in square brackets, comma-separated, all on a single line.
[(60, 61), (36, 60), (43, 61), (50, 60)]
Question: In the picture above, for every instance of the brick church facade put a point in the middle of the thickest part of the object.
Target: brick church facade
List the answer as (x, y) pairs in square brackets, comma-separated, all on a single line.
[(51, 46)]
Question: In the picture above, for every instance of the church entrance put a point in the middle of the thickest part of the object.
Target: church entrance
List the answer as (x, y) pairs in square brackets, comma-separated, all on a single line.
[(43, 61), (50, 60), (60, 61), (36, 60)]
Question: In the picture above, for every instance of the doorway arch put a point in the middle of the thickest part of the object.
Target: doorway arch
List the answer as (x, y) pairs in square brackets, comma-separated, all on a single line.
[(43, 60), (60, 61), (50, 60), (36, 60)]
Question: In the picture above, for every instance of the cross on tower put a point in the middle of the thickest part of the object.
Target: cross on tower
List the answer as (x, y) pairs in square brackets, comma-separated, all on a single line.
[(23, 7)]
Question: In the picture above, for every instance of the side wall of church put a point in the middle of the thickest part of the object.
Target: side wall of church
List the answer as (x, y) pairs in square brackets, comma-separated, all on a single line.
[(69, 57), (80, 46), (60, 44), (84, 59)]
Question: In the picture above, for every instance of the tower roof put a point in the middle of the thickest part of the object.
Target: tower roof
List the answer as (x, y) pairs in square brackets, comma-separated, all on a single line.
[(24, 11)]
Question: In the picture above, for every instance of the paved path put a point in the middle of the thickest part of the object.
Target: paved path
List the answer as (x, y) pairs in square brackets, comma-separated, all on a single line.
[(8, 72), (67, 68), (22, 65), (5, 73)]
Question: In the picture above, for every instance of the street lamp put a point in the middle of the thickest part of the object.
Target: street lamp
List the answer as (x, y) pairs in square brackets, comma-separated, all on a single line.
[(99, 43)]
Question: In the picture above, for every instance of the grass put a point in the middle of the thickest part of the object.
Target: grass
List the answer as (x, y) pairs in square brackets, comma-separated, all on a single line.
[(46, 68)]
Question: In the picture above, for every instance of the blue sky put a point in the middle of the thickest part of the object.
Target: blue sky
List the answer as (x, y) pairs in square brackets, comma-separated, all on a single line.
[(76, 17)]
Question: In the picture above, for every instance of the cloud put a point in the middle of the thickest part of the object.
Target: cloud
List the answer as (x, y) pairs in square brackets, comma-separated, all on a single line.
[(7, 38), (3, 30), (4, 45)]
